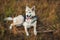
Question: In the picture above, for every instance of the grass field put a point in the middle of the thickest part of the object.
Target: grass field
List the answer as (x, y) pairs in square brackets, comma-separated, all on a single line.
[(47, 11)]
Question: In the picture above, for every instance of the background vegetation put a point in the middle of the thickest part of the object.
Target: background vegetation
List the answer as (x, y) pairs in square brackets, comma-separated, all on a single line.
[(48, 12)]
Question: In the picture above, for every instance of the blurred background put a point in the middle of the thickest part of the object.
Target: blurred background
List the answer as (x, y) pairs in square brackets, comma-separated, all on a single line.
[(47, 11)]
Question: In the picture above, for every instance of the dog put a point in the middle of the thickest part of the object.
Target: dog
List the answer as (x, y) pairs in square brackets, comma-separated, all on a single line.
[(29, 20)]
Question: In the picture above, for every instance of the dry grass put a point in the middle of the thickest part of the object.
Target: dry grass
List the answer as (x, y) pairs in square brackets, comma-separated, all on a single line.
[(46, 10)]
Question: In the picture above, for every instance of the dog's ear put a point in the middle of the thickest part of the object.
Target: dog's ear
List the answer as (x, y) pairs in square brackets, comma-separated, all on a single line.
[(33, 8), (27, 8)]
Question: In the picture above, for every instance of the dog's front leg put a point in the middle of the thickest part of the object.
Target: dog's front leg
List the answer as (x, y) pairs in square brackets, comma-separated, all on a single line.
[(25, 26), (35, 31), (26, 31)]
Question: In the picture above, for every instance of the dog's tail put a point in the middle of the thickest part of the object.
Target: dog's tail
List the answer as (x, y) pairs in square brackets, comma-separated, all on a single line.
[(9, 18)]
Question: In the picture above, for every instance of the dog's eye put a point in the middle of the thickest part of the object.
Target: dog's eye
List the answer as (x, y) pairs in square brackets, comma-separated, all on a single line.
[(29, 12)]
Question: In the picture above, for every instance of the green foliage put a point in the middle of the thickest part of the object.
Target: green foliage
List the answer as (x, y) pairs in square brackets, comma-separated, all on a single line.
[(9, 11), (2, 30)]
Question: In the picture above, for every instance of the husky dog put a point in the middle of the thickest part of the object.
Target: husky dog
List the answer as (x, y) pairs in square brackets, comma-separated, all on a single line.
[(30, 20), (27, 21)]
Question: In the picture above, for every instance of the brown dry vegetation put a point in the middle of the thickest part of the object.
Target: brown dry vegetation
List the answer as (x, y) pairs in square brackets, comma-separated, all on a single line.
[(48, 12)]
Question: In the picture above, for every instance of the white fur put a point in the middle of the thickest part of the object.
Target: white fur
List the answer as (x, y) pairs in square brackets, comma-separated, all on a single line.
[(9, 18), (16, 20)]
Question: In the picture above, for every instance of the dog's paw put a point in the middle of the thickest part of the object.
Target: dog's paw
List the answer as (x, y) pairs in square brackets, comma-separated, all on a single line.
[(27, 34), (10, 28)]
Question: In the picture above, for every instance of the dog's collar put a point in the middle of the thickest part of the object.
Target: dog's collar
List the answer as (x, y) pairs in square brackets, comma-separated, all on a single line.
[(34, 19)]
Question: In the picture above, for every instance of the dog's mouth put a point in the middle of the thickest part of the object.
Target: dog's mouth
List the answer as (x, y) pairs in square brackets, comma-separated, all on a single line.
[(28, 18)]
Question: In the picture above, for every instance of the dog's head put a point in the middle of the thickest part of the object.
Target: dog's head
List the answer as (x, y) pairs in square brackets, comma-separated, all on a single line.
[(30, 12)]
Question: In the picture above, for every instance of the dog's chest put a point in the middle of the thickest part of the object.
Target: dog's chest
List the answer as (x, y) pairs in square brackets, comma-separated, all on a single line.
[(28, 22)]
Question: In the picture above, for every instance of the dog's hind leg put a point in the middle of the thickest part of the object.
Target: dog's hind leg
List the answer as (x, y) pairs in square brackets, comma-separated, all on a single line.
[(11, 26)]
